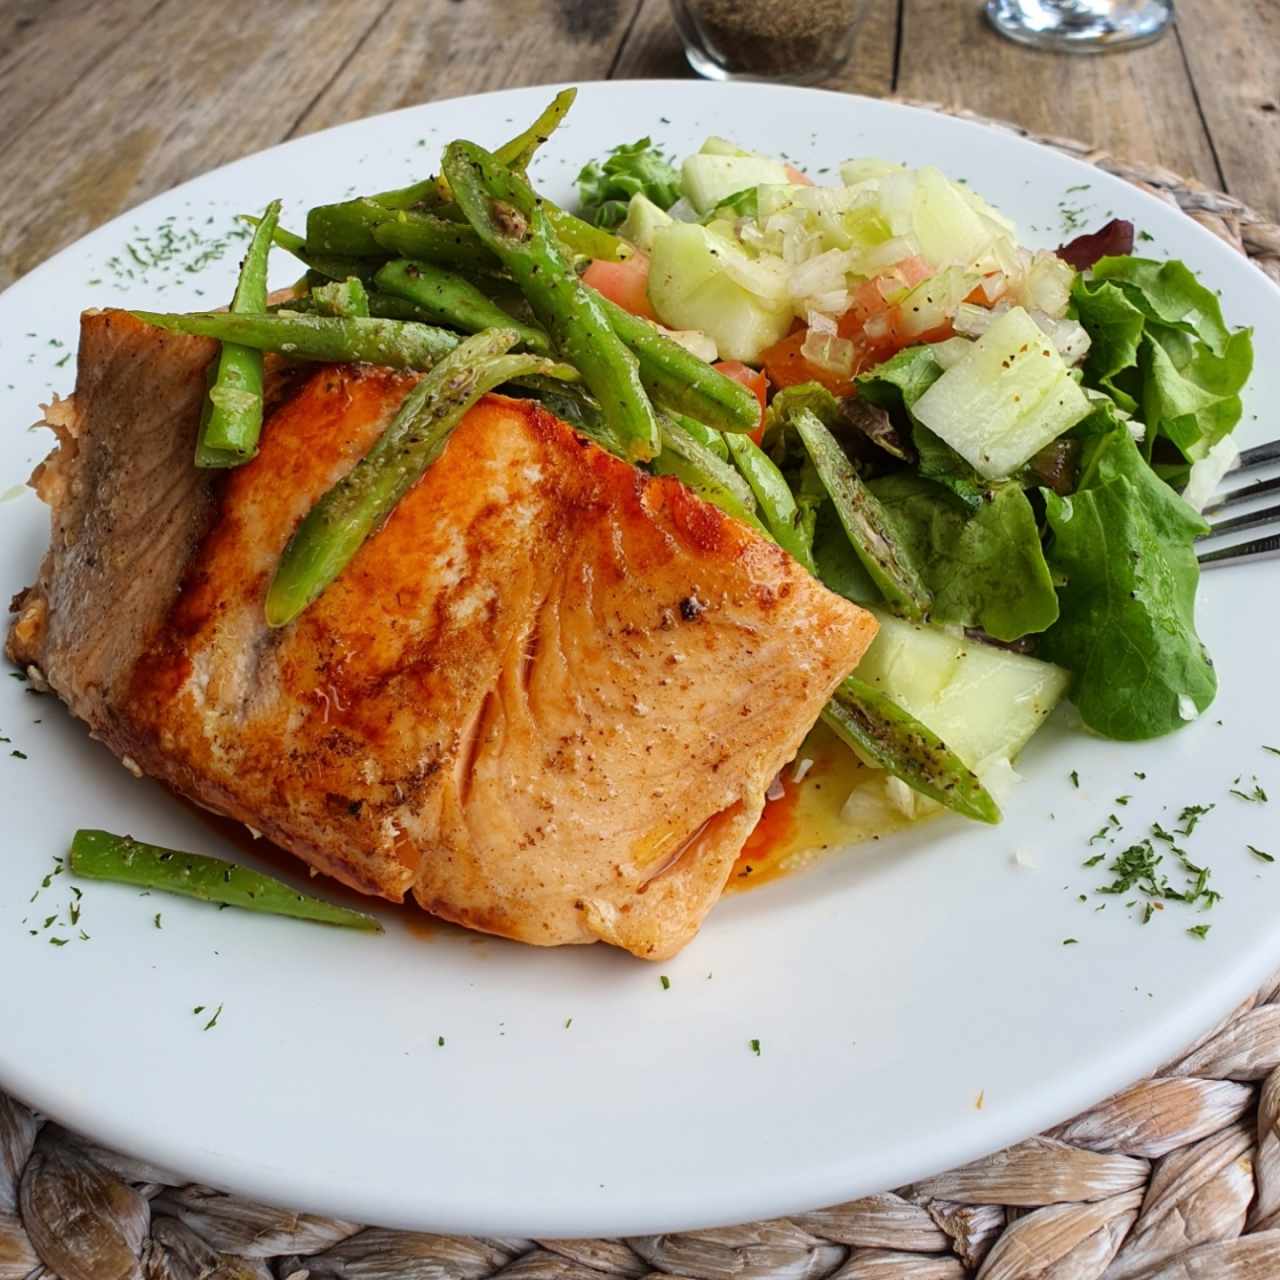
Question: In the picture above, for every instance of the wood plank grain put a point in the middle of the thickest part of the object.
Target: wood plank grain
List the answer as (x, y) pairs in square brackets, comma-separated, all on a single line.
[(46, 45), (1139, 105), (1233, 51), (653, 49), (423, 50), (195, 85)]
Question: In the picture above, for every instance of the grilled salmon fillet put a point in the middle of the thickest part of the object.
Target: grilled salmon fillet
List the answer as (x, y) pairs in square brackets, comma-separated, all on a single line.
[(546, 698)]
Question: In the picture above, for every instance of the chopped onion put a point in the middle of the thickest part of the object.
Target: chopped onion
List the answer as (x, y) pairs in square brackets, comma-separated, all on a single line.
[(800, 772), (1207, 473), (835, 303), (820, 274), (828, 352), (1187, 708), (1025, 858), (999, 777), (887, 254), (994, 285), (901, 796), (972, 320), (819, 322), (697, 343), (877, 327), (683, 211), (1047, 285), (776, 789), (1069, 337)]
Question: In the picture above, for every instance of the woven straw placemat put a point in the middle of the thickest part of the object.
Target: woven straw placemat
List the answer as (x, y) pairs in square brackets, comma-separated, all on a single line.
[(1175, 1178)]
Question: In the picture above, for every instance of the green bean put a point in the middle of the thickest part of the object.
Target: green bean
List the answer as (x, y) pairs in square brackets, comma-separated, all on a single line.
[(711, 479), (776, 503), (881, 732), (581, 237), (413, 233), (707, 437), (346, 227), (99, 855), (517, 153), (340, 340), (679, 381), (231, 419), (511, 221), (449, 299), (863, 519), (428, 191), (331, 266), (337, 526), (347, 298)]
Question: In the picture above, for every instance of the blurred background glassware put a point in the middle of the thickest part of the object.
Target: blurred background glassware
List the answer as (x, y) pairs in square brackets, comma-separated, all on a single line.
[(1081, 26), (799, 41)]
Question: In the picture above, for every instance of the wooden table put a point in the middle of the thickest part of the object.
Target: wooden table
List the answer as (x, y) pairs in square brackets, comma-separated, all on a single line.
[(106, 102)]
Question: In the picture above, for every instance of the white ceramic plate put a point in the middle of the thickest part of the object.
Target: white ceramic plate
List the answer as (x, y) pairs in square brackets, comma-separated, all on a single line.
[(913, 999)]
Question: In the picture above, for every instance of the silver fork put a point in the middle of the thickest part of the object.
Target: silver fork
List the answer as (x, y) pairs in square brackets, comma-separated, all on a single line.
[(1250, 459)]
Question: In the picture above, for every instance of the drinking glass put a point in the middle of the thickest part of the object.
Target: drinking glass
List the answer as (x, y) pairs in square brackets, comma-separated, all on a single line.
[(1081, 26), (793, 40)]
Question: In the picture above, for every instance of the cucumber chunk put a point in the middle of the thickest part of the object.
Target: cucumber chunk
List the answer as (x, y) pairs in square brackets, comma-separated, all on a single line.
[(705, 180), (983, 702), (1006, 399), (699, 281), (643, 221)]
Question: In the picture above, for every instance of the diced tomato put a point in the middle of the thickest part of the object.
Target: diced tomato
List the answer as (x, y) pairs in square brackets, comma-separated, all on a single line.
[(754, 380), (786, 366), (796, 177), (626, 283)]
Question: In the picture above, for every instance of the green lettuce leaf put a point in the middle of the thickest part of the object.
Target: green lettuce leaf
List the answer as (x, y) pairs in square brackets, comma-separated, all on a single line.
[(1163, 351), (1123, 547), (986, 567), (635, 168)]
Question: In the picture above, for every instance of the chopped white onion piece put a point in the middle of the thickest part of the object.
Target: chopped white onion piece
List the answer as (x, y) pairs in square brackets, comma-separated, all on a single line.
[(776, 789), (697, 343), (994, 285), (887, 254), (999, 777), (877, 327), (835, 303), (800, 772), (1187, 708), (901, 796), (820, 274), (1025, 858), (683, 211), (972, 320), (820, 322), (828, 352), (1207, 473)]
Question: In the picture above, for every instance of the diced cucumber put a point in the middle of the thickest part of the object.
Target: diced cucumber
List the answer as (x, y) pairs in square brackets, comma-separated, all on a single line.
[(705, 180), (983, 702), (933, 302), (950, 231), (643, 221), (866, 168), (1008, 397), (715, 146), (699, 281)]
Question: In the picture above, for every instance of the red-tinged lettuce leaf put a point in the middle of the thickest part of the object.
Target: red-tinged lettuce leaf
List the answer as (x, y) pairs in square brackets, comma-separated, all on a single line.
[(1109, 241)]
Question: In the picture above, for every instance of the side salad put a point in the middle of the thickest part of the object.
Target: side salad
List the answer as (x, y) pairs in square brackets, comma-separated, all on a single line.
[(1021, 422), (998, 450)]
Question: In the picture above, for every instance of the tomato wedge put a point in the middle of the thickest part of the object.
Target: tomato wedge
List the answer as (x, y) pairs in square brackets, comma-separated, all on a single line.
[(754, 380), (625, 283)]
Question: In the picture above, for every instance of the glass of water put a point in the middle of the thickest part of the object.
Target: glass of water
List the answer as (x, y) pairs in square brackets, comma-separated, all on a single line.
[(1081, 26)]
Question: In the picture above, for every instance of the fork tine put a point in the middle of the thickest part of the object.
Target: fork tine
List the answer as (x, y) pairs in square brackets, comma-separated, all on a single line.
[(1241, 551), (1243, 494), (1249, 520), (1259, 454)]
